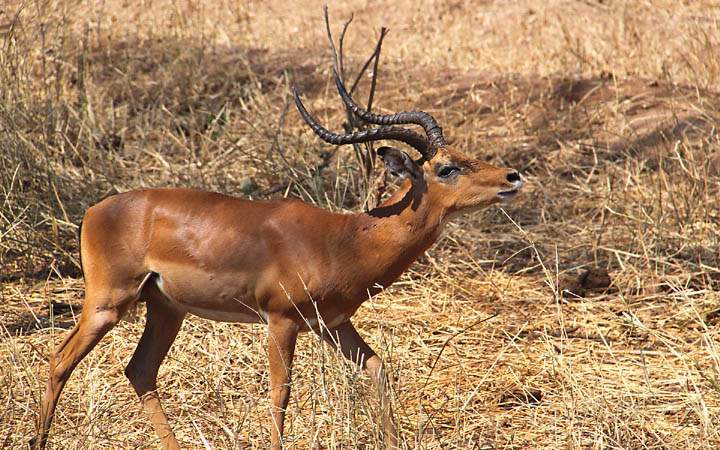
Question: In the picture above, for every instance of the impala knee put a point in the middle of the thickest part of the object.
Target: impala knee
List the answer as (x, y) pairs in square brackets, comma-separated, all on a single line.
[(140, 379), (81, 340), (94, 324), (280, 396), (131, 373), (59, 374)]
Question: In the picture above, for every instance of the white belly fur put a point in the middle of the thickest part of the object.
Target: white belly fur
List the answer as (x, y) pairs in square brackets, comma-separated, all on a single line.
[(337, 321), (227, 316)]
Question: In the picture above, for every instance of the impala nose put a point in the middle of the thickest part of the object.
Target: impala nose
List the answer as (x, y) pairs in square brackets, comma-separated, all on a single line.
[(513, 177)]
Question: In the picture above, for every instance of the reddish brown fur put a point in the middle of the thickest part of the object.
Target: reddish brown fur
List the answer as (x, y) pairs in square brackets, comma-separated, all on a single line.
[(281, 262)]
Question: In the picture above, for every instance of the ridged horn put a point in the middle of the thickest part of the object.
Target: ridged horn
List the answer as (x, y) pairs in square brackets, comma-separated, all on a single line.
[(409, 137), (425, 120)]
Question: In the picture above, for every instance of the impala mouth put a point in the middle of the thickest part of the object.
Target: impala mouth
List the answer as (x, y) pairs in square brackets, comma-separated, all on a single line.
[(510, 193)]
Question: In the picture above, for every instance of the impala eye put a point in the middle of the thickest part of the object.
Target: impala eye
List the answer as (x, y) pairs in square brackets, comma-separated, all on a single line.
[(447, 171)]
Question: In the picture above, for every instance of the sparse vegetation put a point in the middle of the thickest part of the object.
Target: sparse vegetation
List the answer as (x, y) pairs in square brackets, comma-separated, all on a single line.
[(498, 337)]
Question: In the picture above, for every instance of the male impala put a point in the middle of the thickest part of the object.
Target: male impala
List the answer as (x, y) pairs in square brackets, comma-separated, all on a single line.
[(285, 263)]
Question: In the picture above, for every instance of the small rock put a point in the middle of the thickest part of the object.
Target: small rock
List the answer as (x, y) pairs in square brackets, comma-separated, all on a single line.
[(589, 279), (247, 186), (520, 397)]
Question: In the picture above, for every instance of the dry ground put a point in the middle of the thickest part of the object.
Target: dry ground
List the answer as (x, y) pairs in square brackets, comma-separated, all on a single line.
[(609, 109)]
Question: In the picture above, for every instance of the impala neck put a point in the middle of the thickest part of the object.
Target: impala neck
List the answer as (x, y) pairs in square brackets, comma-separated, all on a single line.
[(409, 221)]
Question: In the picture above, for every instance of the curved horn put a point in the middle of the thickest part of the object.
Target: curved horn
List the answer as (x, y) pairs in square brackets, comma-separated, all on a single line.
[(409, 137), (425, 120)]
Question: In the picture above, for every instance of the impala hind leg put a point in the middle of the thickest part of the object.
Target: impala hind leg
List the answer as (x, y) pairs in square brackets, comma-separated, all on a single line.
[(282, 336), (346, 338), (161, 328), (100, 314)]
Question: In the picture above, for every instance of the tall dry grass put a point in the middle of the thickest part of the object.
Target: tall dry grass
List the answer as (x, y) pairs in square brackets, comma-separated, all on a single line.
[(609, 109)]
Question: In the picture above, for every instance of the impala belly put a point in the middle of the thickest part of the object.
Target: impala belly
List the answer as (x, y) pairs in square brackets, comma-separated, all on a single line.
[(224, 297)]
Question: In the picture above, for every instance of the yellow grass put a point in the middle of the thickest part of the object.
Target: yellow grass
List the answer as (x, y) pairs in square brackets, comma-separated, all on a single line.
[(608, 108)]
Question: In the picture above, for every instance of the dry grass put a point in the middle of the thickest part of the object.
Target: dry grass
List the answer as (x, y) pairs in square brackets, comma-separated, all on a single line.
[(610, 109)]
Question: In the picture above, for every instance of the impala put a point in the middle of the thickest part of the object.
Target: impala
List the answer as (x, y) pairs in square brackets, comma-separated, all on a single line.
[(285, 263)]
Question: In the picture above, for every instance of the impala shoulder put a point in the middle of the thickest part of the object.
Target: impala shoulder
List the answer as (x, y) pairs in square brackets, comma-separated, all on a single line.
[(295, 219), (277, 220), (298, 211)]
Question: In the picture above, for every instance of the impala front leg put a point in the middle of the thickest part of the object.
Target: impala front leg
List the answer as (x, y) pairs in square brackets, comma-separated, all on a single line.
[(346, 338), (282, 335)]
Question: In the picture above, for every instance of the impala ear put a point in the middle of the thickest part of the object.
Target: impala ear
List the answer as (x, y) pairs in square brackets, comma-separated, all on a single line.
[(399, 163)]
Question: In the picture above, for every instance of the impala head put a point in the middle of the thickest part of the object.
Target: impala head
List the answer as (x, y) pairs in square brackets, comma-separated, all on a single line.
[(455, 179), (458, 181)]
